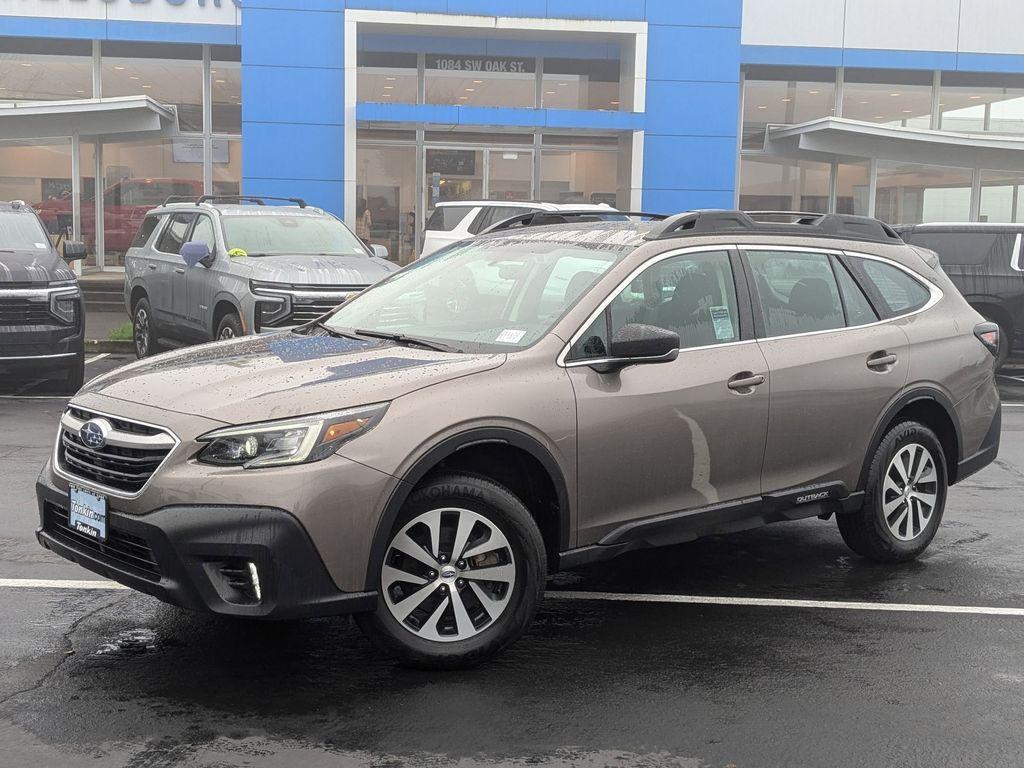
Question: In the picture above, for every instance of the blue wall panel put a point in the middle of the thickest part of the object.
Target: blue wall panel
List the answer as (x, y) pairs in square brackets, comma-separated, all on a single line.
[(286, 95), (693, 53)]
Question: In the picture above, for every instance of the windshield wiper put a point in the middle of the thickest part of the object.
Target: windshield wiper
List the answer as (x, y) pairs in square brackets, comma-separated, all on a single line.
[(401, 338), (333, 332)]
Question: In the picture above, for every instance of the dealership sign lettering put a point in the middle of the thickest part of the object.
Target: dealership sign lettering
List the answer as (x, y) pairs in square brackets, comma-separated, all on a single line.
[(480, 64), (200, 3)]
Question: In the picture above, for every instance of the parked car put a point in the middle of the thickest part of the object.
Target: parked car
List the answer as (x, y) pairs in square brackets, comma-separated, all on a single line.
[(430, 452), (203, 270), (125, 203), (984, 263), (42, 326), (451, 222)]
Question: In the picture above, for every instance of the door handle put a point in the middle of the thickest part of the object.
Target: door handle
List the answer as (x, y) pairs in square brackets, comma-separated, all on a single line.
[(152, 266), (745, 380), (179, 270), (881, 360)]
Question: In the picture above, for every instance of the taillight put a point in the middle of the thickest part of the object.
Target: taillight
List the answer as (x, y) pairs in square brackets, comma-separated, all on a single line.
[(988, 334)]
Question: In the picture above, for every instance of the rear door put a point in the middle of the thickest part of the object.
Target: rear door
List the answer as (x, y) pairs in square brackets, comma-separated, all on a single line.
[(168, 300), (670, 437), (834, 366)]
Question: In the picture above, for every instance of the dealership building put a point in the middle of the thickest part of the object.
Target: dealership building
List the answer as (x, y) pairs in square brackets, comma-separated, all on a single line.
[(908, 110)]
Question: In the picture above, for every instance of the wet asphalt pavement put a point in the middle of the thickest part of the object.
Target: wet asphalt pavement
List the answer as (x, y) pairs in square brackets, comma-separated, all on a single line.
[(115, 678)]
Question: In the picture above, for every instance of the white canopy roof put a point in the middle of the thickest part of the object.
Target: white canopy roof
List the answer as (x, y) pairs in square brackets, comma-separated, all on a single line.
[(124, 118)]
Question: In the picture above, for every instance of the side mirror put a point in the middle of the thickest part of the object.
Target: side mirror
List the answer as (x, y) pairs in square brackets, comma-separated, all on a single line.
[(194, 252), (635, 344), (379, 251), (74, 251)]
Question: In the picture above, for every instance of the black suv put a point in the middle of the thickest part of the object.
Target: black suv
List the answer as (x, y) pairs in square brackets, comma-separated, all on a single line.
[(42, 326), (984, 262)]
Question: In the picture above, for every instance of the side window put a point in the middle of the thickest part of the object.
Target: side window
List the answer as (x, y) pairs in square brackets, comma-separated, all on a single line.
[(203, 232), (693, 295), (797, 292), (858, 309), (900, 292), (569, 279), (447, 218), (145, 230), (174, 233)]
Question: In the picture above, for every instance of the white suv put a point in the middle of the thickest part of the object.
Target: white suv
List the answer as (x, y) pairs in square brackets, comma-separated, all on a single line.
[(454, 221)]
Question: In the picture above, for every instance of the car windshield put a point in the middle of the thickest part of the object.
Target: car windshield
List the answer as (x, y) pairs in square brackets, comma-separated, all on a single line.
[(21, 231), (488, 294), (275, 233)]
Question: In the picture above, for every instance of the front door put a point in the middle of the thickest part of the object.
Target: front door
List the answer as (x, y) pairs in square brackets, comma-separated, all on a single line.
[(169, 269), (200, 281), (834, 367), (662, 438)]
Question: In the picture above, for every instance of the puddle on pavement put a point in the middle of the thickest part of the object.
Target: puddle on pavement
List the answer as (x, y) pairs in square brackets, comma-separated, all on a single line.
[(131, 642)]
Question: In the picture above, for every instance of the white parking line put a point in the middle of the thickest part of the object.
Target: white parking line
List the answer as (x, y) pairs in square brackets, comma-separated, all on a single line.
[(94, 358), (771, 602), (623, 597), (60, 584), (1013, 405)]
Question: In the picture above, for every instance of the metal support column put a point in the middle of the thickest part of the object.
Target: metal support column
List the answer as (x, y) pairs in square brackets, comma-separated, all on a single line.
[(975, 214), (76, 192), (936, 120), (840, 87), (207, 124), (872, 185), (833, 187), (98, 187)]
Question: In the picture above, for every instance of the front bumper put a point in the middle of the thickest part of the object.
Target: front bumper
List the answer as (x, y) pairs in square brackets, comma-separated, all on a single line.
[(41, 347), (195, 556)]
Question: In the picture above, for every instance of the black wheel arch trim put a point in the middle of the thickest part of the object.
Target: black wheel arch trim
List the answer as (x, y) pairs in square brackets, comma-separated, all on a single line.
[(915, 395), (449, 447)]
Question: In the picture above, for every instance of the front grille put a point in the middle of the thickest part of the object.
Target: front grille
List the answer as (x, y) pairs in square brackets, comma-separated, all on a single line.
[(132, 453), (15, 310), (121, 549), (308, 302)]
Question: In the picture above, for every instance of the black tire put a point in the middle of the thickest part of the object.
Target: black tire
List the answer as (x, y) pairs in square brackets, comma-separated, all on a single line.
[(867, 532), (229, 327), (75, 376), (502, 509), (144, 332)]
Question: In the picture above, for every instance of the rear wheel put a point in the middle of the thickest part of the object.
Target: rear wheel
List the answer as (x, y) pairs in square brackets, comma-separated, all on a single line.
[(229, 327), (904, 498), (144, 330), (462, 575)]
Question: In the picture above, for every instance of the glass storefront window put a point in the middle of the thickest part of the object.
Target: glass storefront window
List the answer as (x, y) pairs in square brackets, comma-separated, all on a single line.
[(578, 176), (171, 74), (901, 98), (226, 89), (387, 77), (138, 175), (912, 194), (453, 174), (982, 103), (491, 81), (581, 84), (852, 187), (227, 166), (777, 184), (42, 70), (1002, 196), (509, 175), (386, 198), (784, 96)]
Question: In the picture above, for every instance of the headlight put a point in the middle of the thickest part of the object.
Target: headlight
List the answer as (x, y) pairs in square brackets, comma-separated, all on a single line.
[(63, 302), (295, 441)]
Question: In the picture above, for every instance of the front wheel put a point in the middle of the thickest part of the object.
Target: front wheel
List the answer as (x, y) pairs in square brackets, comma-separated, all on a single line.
[(462, 575), (144, 330), (904, 498), (229, 327)]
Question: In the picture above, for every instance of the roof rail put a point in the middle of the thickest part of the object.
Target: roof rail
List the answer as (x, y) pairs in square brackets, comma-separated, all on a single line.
[(837, 225), (258, 199), (544, 218)]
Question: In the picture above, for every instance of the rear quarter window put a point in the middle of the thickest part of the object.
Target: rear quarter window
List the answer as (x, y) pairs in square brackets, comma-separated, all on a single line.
[(447, 218), (899, 293), (967, 248), (146, 229)]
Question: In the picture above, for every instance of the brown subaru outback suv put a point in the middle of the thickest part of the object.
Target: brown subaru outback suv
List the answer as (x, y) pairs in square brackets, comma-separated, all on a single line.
[(530, 400)]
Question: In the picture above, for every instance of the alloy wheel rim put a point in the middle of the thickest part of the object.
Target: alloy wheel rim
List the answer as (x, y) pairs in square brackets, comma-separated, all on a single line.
[(227, 332), (448, 574), (910, 491), (141, 332)]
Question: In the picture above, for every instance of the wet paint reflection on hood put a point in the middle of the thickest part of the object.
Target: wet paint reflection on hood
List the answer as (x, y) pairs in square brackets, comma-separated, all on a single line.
[(283, 375)]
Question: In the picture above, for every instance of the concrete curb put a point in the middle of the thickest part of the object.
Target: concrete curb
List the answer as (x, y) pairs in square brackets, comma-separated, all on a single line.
[(96, 346)]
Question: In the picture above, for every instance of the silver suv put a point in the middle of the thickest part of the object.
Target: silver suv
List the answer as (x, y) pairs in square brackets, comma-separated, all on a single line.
[(200, 269)]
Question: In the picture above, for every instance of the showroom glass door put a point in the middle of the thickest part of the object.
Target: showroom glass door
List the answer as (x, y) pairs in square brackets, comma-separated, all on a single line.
[(453, 175), (509, 174)]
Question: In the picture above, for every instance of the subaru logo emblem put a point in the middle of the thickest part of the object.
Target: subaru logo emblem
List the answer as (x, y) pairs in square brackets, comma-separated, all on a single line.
[(448, 573), (93, 433)]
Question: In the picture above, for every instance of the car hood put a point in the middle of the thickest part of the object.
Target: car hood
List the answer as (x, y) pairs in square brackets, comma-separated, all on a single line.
[(283, 375), (40, 266), (318, 270)]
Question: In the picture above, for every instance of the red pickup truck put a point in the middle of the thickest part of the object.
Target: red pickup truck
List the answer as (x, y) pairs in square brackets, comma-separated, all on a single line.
[(124, 205)]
